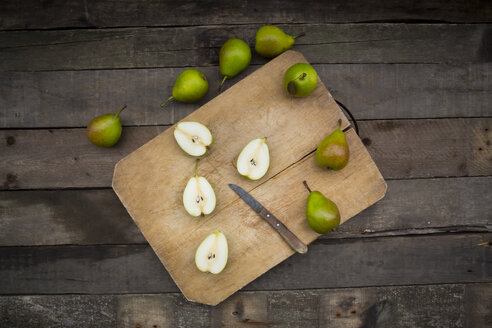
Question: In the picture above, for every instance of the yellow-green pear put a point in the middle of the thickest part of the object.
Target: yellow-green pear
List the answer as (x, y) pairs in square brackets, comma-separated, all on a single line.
[(234, 57), (333, 151), (271, 41), (190, 86), (105, 130), (300, 79), (322, 214)]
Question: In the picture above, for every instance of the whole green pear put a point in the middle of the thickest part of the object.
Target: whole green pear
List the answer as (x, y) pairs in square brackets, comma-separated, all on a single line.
[(105, 130), (190, 86), (300, 79), (234, 57), (272, 41), (322, 214), (333, 151)]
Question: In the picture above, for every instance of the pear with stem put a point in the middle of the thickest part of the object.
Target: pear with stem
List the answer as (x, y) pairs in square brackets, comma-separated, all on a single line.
[(322, 214), (300, 80), (198, 196), (190, 86), (105, 130), (271, 41), (333, 152), (234, 57)]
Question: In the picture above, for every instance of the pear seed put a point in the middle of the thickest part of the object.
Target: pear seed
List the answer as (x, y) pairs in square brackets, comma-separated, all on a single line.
[(253, 162), (198, 199)]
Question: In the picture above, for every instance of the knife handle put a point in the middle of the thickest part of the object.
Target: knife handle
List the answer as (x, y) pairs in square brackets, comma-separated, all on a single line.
[(288, 236)]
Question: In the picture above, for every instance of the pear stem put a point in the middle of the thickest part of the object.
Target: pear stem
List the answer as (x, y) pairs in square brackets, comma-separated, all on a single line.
[(196, 168), (306, 185), (299, 35), (121, 109), (300, 77), (356, 126), (339, 124), (223, 80), (164, 103)]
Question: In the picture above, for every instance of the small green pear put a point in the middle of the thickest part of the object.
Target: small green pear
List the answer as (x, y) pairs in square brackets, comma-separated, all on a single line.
[(300, 79), (234, 57), (190, 86), (322, 214), (272, 41), (105, 130), (333, 151)]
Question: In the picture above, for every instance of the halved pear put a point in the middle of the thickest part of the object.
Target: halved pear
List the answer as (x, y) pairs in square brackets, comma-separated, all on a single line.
[(211, 256), (193, 137), (254, 160), (198, 196)]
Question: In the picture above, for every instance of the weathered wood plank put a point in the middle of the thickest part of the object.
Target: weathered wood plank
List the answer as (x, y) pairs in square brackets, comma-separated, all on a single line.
[(65, 217), (447, 306), (87, 217), (199, 46), (448, 147), (477, 300), (66, 14), (400, 148), (451, 258), (371, 91)]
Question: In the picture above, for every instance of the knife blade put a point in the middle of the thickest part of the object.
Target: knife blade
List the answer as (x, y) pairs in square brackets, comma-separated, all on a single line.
[(288, 236)]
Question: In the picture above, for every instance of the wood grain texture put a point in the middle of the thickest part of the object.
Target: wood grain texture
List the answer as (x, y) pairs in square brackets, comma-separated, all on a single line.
[(401, 148), (455, 305), (433, 259), (66, 14), (65, 217), (463, 141), (147, 180), (200, 46), (88, 217), (371, 91)]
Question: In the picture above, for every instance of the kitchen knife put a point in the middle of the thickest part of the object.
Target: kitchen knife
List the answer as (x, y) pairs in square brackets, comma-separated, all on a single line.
[(288, 236)]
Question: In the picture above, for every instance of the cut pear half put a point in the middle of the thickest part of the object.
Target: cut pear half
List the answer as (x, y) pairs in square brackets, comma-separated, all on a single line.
[(254, 160), (198, 196), (193, 137), (211, 256)]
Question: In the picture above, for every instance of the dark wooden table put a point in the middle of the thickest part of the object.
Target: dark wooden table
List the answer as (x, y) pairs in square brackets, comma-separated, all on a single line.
[(418, 76)]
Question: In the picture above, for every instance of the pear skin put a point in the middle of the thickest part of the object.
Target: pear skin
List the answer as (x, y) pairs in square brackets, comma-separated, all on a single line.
[(300, 80), (190, 86), (322, 214), (105, 130), (234, 57), (272, 41), (333, 151)]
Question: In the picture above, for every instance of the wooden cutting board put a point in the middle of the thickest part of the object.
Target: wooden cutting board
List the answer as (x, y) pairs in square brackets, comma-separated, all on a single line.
[(150, 181)]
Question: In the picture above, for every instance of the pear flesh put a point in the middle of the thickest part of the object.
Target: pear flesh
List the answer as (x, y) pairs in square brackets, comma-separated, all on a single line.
[(193, 137), (322, 214), (254, 160), (333, 151), (211, 256), (199, 196), (272, 41)]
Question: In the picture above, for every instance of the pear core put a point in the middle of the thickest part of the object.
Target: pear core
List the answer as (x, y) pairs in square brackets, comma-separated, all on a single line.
[(211, 256)]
